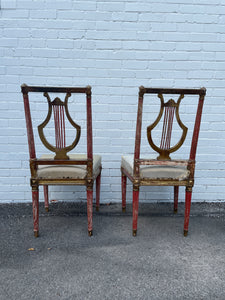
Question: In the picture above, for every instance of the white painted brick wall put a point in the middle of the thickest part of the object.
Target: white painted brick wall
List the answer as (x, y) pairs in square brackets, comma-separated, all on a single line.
[(115, 46)]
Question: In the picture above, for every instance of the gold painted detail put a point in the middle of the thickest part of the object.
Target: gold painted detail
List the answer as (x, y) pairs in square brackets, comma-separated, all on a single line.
[(61, 153), (164, 154), (188, 188)]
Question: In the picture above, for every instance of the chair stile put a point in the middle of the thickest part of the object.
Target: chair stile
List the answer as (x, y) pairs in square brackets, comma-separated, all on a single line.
[(61, 159), (163, 161)]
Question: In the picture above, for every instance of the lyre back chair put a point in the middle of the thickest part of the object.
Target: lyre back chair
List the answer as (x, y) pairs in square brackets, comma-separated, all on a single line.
[(61, 168), (163, 171)]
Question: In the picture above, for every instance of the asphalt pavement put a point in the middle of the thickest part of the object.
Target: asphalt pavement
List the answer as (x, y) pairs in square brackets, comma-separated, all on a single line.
[(159, 263)]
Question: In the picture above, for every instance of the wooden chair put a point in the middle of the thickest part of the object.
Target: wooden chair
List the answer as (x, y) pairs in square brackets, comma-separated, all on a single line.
[(61, 168), (163, 171)]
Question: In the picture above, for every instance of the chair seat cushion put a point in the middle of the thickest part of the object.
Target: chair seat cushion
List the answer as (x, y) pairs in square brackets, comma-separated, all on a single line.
[(68, 171), (155, 172)]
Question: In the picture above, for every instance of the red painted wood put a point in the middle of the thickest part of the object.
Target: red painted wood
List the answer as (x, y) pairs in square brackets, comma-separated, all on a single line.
[(124, 190), (196, 128), (30, 134), (187, 209), (135, 208), (138, 129), (201, 91), (89, 128), (50, 89), (35, 201), (176, 192), (59, 119), (46, 196), (165, 145), (170, 125), (89, 208), (98, 183), (164, 129), (63, 127), (167, 127), (56, 125)]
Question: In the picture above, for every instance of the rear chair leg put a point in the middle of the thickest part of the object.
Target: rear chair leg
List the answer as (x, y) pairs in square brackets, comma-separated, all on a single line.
[(135, 209), (89, 209), (176, 192), (46, 198), (124, 189), (98, 183), (187, 209), (35, 202)]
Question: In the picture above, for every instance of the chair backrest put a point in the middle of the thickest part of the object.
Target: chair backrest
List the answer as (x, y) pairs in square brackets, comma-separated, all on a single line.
[(170, 108), (60, 113)]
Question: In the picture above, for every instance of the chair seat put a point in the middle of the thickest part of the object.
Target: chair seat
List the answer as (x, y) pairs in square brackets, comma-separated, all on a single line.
[(70, 172), (155, 172)]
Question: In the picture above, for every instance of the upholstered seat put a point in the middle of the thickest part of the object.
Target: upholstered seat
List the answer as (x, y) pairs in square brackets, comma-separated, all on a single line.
[(60, 167), (68, 171), (163, 170), (155, 172)]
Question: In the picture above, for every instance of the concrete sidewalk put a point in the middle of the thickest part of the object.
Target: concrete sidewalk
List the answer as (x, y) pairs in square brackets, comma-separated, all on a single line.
[(160, 263)]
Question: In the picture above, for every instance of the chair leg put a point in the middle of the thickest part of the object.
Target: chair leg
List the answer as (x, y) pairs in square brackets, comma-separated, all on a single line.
[(89, 209), (35, 201), (187, 209), (135, 209), (46, 197), (176, 192), (124, 189), (98, 183)]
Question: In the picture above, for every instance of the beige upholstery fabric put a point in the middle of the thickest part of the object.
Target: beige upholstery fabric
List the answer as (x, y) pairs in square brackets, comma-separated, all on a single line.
[(64, 171), (154, 172)]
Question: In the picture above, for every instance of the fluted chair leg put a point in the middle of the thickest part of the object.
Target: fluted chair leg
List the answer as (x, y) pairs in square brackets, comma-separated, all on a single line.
[(98, 183), (135, 210), (176, 192), (187, 210), (124, 189), (89, 209), (46, 197), (35, 202)]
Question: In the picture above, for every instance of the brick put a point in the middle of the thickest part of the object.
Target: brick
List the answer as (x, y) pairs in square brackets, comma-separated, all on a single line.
[(8, 4), (8, 42), (111, 6), (115, 47), (16, 33), (15, 14), (42, 14), (70, 15)]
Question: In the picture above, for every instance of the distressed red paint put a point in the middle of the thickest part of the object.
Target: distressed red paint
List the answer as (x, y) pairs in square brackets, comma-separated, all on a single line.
[(46, 197), (60, 135), (167, 127), (61, 159), (35, 202), (124, 190), (164, 149), (98, 184), (30, 134), (135, 210), (89, 209), (176, 192), (89, 127), (187, 210)]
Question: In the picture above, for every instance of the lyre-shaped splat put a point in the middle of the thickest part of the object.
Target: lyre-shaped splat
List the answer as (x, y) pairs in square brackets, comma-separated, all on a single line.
[(60, 109), (170, 108)]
